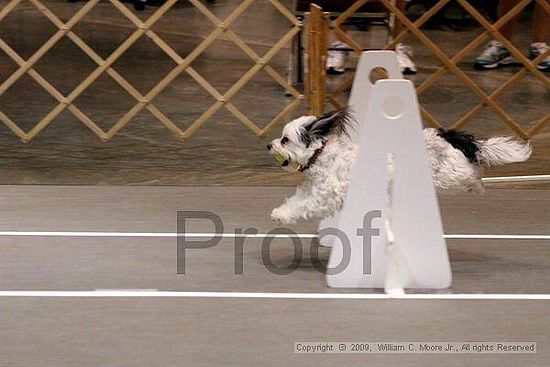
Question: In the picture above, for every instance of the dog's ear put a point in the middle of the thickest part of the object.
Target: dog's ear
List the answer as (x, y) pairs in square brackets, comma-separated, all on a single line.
[(336, 122)]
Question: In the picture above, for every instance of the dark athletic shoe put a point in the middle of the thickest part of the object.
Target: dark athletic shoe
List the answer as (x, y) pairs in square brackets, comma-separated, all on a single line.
[(494, 55), (538, 48)]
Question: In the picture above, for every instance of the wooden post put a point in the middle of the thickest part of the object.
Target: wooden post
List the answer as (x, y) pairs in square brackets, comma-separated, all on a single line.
[(316, 54)]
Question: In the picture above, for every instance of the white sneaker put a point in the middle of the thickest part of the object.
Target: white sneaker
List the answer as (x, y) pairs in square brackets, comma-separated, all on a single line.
[(336, 60), (404, 56), (539, 48), (494, 55)]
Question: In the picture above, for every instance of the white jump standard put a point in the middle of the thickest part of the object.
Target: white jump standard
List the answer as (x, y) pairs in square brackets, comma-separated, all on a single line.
[(391, 172)]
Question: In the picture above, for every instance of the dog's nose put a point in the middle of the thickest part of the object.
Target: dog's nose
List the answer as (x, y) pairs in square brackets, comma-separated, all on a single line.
[(268, 146)]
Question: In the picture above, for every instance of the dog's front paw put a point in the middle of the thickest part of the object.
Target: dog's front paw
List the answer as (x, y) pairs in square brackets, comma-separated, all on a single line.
[(281, 215)]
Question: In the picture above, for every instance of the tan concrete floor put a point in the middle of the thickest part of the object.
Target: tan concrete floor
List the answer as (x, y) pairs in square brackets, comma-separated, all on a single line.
[(223, 152)]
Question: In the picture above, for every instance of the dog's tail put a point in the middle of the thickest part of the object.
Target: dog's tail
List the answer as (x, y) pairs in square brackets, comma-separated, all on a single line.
[(491, 152), (502, 150)]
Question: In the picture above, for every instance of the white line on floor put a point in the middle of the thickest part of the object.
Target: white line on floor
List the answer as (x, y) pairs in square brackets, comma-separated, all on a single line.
[(258, 235), (497, 236), (173, 294), (516, 178), (149, 234), (126, 290)]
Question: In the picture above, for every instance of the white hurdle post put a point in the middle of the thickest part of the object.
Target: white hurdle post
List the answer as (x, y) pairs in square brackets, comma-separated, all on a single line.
[(403, 248), (360, 93)]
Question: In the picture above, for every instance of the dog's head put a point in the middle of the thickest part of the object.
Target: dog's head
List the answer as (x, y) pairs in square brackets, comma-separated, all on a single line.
[(302, 136)]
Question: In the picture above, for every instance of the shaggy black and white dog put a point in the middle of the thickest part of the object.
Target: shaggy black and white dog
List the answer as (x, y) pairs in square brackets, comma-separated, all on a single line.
[(321, 148)]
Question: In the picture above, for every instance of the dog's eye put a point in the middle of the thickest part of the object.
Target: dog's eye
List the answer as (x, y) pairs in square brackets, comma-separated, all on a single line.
[(284, 140)]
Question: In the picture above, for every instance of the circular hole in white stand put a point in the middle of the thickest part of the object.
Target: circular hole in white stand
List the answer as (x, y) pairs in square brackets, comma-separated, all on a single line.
[(378, 73), (393, 107)]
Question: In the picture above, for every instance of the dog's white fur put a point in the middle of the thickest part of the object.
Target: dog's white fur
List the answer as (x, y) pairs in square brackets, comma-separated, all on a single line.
[(324, 188)]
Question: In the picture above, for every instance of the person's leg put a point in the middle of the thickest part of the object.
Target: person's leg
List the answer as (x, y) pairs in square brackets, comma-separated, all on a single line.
[(336, 60), (504, 6), (399, 27), (404, 52), (495, 54), (542, 34), (542, 24)]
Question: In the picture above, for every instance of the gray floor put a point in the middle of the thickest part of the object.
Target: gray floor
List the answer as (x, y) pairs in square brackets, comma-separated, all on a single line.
[(204, 332), (88, 263), (237, 332)]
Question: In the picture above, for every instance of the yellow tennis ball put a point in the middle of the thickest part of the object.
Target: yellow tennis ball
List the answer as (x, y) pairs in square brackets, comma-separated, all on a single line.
[(279, 158)]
